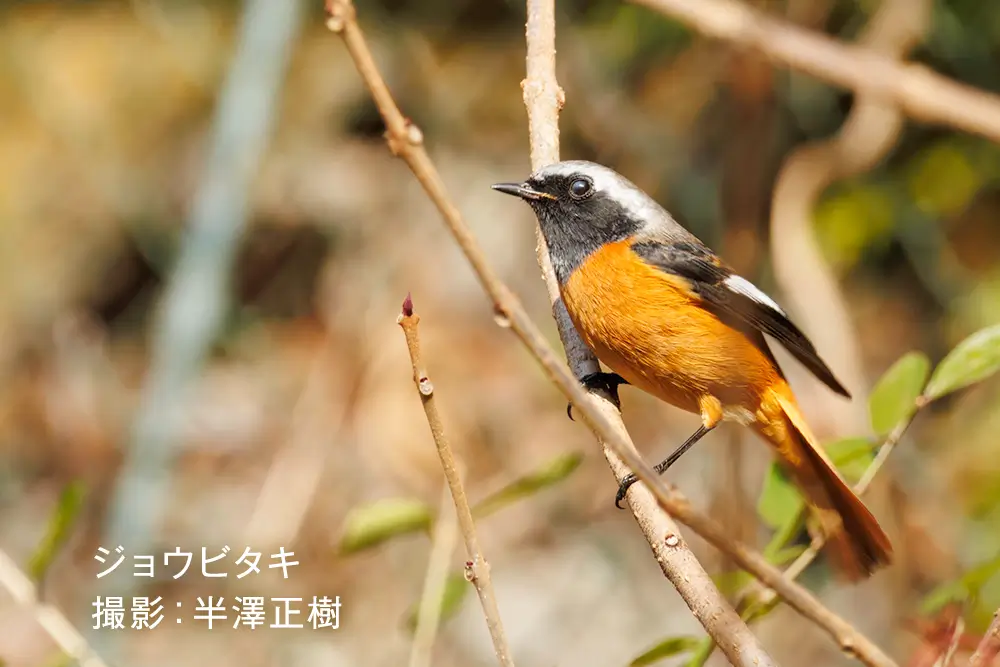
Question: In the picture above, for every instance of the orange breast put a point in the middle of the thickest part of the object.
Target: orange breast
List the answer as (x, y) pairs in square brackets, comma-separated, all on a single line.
[(646, 326)]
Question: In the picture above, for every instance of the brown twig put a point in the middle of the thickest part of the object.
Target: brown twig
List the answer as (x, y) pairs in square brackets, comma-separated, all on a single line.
[(429, 610), (921, 93), (989, 647), (956, 639), (543, 99), (406, 141), (55, 624), (477, 567)]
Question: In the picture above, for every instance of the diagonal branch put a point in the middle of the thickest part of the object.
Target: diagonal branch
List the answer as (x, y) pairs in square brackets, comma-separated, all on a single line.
[(543, 98), (989, 647), (55, 624), (921, 93), (768, 598), (406, 141), (477, 568)]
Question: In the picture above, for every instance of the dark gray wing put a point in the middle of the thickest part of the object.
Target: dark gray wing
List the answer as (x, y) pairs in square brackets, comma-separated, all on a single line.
[(735, 300)]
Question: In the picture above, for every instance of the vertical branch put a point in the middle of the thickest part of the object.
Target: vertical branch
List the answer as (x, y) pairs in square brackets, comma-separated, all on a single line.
[(429, 611), (543, 99), (477, 568), (406, 141), (195, 300)]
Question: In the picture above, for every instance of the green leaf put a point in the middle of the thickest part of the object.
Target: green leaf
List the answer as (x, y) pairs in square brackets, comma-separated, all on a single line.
[(731, 582), (60, 659), (852, 456), (373, 524), (455, 588), (551, 473), (894, 398), (665, 649), (58, 530), (779, 500), (786, 555), (974, 359), (967, 586)]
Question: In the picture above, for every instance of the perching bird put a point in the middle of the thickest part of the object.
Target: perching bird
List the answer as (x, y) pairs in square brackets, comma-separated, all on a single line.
[(663, 312)]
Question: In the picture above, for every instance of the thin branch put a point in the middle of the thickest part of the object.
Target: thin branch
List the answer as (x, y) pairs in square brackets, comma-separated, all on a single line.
[(55, 624), (890, 443), (952, 648), (543, 98), (477, 568), (800, 564), (406, 141), (429, 611), (758, 600), (921, 93), (989, 647)]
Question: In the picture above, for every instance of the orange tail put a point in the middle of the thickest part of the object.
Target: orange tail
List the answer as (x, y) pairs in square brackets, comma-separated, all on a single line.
[(856, 542)]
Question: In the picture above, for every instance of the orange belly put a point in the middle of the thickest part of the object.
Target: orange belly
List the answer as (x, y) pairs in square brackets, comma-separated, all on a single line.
[(646, 326)]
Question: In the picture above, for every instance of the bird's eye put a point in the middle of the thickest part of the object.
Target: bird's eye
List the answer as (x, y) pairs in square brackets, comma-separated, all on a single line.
[(580, 188)]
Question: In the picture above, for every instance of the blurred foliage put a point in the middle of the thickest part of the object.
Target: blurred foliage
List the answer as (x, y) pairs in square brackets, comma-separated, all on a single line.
[(58, 530), (898, 395), (369, 525), (668, 648), (523, 487), (966, 589), (894, 397), (456, 587), (975, 359), (106, 107)]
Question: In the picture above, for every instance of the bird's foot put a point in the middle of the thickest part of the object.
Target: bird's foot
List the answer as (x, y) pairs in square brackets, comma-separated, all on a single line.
[(607, 382), (630, 479), (627, 481)]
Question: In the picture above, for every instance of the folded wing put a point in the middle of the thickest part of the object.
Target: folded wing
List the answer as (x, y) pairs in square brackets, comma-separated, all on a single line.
[(735, 300)]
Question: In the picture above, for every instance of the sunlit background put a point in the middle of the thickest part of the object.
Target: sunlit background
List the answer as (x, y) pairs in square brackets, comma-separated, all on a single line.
[(130, 134)]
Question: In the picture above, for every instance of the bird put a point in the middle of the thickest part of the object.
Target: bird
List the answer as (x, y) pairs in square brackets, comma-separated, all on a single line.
[(666, 315)]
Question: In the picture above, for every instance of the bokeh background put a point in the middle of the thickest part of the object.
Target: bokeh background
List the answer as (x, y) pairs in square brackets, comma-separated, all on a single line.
[(130, 135)]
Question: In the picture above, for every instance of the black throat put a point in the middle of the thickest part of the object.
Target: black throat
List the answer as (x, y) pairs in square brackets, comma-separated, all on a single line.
[(573, 235)]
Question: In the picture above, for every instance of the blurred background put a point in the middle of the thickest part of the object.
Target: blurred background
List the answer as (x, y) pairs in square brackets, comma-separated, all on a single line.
[(204, 244)]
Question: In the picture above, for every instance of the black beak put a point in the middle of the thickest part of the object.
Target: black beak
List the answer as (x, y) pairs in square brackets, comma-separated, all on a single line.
[(521, 190)]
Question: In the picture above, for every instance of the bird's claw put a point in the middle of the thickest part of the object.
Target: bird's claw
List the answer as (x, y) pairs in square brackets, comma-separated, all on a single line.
[(607, 382), (627, 481)]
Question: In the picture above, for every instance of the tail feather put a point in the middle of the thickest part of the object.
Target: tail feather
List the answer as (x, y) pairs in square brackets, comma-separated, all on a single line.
[(857, 544)]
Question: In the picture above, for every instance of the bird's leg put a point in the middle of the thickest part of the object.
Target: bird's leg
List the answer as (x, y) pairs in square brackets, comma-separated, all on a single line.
[(607, 381), (662, 466)]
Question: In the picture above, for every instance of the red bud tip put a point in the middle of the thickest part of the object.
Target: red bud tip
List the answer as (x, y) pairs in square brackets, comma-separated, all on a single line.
[(408, 306)]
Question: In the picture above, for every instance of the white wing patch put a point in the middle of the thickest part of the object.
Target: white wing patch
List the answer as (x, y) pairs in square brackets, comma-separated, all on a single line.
[(748, 289)]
